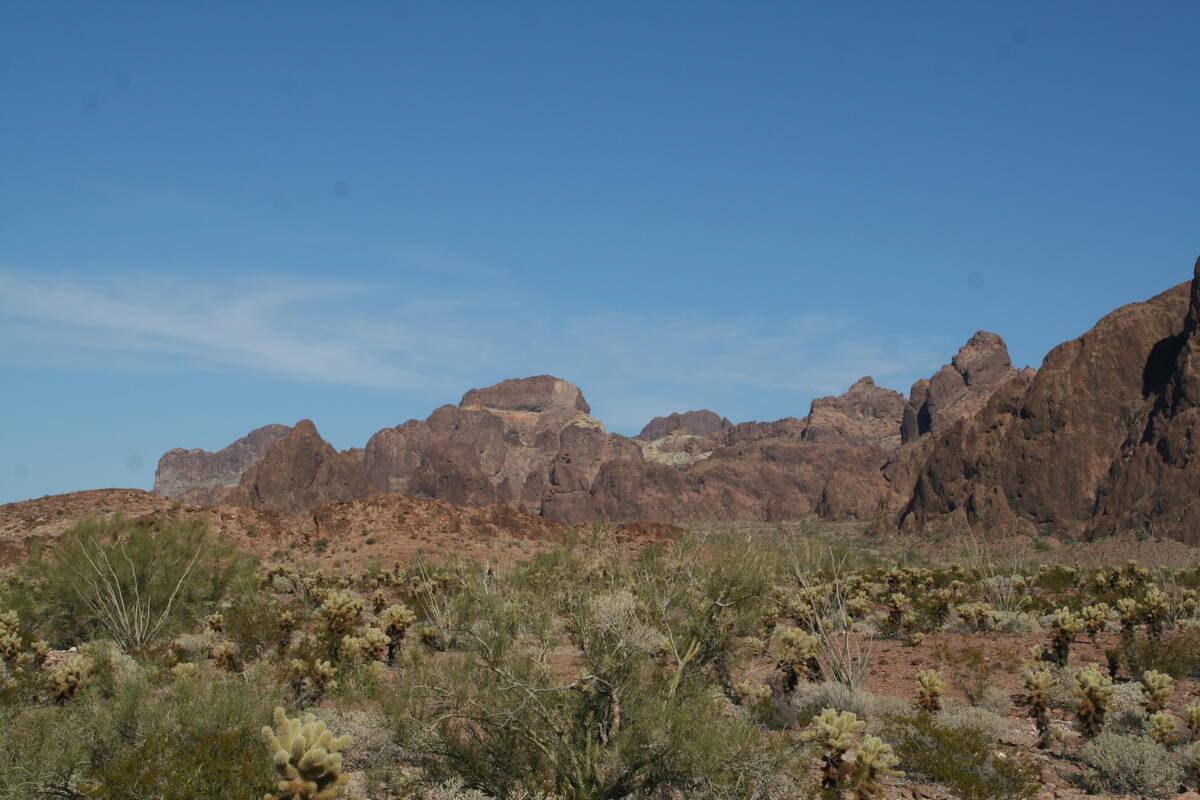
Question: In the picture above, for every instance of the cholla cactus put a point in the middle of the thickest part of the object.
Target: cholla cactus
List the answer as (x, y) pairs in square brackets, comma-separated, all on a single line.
[(1093, 618), (797, 657), (929, 691), (1156, 609), (1191, 718), (306, 758), (1157, 689), (310, 680), (873, 762), (225, 655), (978, 616), (350, 649), (68, 678), (214, 622), (40, 650), (1037, 684), (1130, 616), (1066, 625), (288, 623), (752, 695), (10, 636), (378, 601), (1094, 691), (834, 731), (898, 606), (395, 621), (858, 605), (1164, 728), (184, 672), (374, 644), (940, 606), (340, 612)]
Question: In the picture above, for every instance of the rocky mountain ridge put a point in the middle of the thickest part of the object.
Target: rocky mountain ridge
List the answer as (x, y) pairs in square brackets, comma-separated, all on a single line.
[(532, 444), (1100, 439)]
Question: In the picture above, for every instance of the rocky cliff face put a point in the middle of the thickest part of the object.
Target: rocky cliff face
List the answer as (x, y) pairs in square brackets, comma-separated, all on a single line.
[(299, 473), (532, 444), (1153, 484), (195, 475), (1040, 448), (866, 414), (959, 389)]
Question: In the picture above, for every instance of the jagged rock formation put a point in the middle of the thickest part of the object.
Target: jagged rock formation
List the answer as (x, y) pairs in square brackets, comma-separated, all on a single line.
[(196, 474), (528, 442), (299, 473), (690, 423), (959, 389), (866, 414), (1154, 483), (1042, 446), (531, 444)]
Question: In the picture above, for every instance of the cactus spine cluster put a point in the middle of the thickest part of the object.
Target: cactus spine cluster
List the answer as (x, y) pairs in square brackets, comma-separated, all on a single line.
[(1037, 684), (306, 758), (1157, 689), (1066, 625), (1094, 690), (929, 691), (1164, 728), (847, 770), (68, 678), (797, 660)]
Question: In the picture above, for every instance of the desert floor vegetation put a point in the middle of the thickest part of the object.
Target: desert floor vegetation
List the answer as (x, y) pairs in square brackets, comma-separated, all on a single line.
[(151, 659)]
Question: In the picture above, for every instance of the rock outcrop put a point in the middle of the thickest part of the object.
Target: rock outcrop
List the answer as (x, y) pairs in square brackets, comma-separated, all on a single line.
[(1153, 484), (866, 414), (195, 475), (532, 444), (690, 423), (959, 389), (299, 473), (1039, 450)]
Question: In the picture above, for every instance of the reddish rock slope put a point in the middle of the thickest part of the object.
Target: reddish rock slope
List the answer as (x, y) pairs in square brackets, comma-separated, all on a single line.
[(1041, 446)]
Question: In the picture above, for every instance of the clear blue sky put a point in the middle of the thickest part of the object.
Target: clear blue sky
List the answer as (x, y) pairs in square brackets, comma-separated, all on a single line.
[(242, 213)]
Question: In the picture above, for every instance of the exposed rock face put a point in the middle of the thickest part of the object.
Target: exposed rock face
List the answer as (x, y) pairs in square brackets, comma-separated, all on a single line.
[(866, 414), (539, 394), (1154, 483), (197, 473), (1041, 447), (528, 442), (959, 389), (299, 473), (691, 423), (531, 444)]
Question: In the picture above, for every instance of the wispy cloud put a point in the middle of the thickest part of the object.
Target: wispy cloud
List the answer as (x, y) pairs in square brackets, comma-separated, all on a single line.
[(380, 336)]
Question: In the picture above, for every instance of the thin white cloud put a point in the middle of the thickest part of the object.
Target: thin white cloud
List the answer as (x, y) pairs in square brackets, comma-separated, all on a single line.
[(352, 335)]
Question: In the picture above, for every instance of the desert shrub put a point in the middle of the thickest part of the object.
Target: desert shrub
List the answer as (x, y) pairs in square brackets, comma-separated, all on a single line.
[(969, 670), (964, 759), (200, 738), (957, 715), (810, 699), (133, 582), (1177, 654), (258, 624), (645, 710), (1126, 764)]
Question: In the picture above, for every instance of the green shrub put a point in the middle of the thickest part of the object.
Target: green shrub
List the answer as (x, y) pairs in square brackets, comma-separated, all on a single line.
[(964, 759), (1177, 654), (133, 582), (1126, 764), (200, 738)]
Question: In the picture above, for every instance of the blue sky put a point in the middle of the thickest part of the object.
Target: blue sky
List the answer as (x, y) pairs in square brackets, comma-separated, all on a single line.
[(235, 214)]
